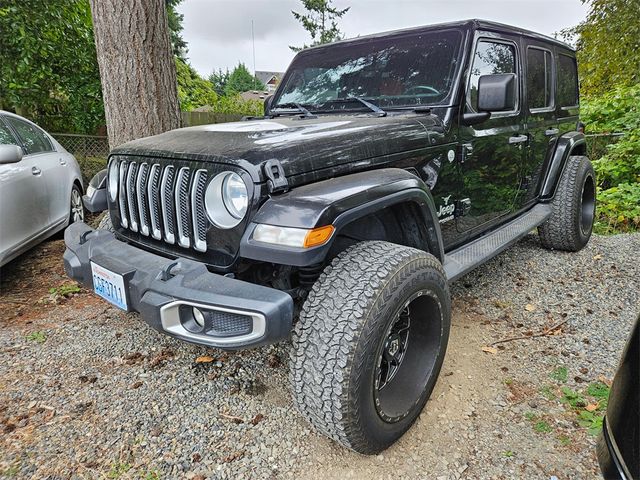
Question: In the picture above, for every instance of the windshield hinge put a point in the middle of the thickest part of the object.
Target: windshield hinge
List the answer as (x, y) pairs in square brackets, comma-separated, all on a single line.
[(276, 180)]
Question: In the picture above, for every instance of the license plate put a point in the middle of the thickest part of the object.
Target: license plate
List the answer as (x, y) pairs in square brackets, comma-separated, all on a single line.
[(109, 285)]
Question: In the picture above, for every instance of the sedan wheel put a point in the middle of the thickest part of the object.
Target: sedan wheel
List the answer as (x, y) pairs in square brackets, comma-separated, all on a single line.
[(77, 209)]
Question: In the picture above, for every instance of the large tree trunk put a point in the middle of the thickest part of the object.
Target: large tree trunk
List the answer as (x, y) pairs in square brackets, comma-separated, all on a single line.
[(137, 68)]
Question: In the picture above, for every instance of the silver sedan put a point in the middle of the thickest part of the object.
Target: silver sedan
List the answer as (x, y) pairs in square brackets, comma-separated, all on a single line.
[(40, 186)]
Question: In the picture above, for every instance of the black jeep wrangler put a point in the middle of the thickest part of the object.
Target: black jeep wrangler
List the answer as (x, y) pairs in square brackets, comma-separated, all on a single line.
[(384, 168)]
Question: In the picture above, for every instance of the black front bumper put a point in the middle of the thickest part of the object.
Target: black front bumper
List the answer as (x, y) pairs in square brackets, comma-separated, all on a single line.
[(160, 288)]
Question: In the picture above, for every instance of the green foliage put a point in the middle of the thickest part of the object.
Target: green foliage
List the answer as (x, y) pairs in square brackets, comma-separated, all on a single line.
[(588, 406), (618, 167), (542, 427), (193, 90), (235, 104), (175, 19), (48, 63), (38, 337), (508, 453), (65, 290), (241, 80), (89, 166), (321, 21), (219, 80), (607, 44), (560, 374)]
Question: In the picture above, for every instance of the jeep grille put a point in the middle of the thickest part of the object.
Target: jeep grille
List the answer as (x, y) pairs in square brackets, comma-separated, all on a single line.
[(163, 201)]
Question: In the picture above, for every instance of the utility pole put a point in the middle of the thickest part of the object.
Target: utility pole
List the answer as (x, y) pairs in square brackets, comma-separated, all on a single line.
[(253, 41)]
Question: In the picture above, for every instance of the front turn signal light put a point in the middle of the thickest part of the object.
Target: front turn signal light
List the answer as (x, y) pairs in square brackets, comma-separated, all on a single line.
[(318, 236)]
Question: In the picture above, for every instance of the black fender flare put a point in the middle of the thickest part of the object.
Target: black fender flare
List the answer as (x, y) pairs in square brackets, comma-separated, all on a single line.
[(338, 202), (95, 199), (564, 147)]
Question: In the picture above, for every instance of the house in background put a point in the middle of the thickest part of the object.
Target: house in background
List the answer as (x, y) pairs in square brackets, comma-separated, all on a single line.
[(270, 79)]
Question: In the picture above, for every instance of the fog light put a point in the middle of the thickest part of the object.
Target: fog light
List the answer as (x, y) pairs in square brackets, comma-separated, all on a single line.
[(198, 317)]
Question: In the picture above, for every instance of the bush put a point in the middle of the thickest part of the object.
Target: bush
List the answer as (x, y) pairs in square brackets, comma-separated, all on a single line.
[(618, 169)]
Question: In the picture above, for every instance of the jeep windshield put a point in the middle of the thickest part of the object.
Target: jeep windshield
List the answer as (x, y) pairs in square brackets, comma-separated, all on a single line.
[(408, 71)]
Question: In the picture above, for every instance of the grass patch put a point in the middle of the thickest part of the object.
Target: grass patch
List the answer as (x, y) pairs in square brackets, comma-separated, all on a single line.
[(560, 375), (564, 440), (530, 416), (547, 392), (118, 469), (65, 290), (38, 337), (589, 405), (542, 427), (508, 453)]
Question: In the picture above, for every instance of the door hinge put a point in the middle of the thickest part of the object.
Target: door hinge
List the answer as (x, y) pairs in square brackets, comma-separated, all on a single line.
[(276, 179)]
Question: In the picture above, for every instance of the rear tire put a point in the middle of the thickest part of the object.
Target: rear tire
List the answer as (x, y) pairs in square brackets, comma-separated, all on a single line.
[(573, 208), (370, 343)]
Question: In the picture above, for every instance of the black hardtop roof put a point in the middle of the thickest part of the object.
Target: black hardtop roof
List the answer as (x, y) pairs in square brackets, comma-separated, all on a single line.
[(471, 24)]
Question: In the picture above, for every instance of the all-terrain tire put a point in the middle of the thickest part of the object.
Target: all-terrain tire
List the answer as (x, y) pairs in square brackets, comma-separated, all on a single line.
[(340, 338), (105, 222), (573, 208)]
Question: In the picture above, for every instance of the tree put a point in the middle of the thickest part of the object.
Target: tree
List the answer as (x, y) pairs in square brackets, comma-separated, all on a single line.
[(48, 64), (193, 90), (137, 68), (608, 45), (241, 80), (175, 28), (219, 80), (321, 21)]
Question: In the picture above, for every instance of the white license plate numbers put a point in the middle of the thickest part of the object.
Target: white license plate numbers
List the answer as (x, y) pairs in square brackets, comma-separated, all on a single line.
[(109, 285)]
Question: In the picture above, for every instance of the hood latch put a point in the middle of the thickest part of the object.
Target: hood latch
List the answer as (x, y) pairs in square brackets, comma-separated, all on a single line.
[(276, 180)]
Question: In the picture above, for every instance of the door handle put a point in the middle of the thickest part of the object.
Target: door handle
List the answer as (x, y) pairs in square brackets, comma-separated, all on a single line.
[(63, 162), (551, 132), (36, 171), (518, 139)]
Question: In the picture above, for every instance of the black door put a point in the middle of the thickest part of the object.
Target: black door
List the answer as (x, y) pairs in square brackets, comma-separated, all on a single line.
[(492, 152), (542, 121)]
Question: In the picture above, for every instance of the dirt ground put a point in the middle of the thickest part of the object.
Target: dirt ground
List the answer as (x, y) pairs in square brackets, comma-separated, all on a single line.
[(499, 410)]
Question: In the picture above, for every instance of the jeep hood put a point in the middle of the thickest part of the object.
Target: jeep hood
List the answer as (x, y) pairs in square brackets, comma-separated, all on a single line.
[(317, 146)]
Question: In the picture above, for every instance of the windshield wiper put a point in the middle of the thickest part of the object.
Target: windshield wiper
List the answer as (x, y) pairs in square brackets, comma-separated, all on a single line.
[(369, 105), (305, 113)]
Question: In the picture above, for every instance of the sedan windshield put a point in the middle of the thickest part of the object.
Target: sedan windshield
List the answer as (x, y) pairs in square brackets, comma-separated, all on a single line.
[(400, 71)]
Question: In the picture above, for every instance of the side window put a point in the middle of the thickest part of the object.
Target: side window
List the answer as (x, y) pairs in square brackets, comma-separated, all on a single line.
[(33, 139), (539, 78), (6, 137), (567, 81), (490, 58)]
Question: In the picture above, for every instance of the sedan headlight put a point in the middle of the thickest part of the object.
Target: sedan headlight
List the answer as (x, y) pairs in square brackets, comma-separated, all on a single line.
[(112, 180), (226, 200)]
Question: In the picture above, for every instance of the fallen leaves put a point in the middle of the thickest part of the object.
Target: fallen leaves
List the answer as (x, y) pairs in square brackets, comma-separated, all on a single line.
[(204, 359), (257, 419), (491, 350), (592, 407), (529, 307)]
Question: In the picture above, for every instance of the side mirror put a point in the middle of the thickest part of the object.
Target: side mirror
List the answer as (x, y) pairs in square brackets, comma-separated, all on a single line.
[(10, 154), (95, 199), (497, 93), (267, 104)]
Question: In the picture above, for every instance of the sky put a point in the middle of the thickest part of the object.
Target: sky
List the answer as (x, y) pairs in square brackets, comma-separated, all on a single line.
[(219, 31)]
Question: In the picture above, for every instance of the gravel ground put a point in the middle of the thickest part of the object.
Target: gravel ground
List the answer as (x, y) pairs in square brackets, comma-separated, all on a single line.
[(87, 391)]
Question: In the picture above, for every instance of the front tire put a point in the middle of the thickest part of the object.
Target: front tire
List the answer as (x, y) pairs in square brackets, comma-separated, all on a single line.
[(370, 343), (573, 208)]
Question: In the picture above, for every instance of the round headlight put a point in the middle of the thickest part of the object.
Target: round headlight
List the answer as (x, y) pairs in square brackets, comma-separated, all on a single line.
[(226, 200), (112, 180), (234, 195)]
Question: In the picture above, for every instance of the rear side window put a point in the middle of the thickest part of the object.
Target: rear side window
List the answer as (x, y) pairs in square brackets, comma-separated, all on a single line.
[(539, 79), (34, 140), (6, 137), (567, 81), (490, 58)]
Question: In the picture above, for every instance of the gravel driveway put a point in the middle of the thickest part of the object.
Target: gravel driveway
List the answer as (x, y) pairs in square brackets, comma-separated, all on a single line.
[(87, 391)]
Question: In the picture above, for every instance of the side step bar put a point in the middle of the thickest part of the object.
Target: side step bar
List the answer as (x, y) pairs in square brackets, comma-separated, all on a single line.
[(466, 258)]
